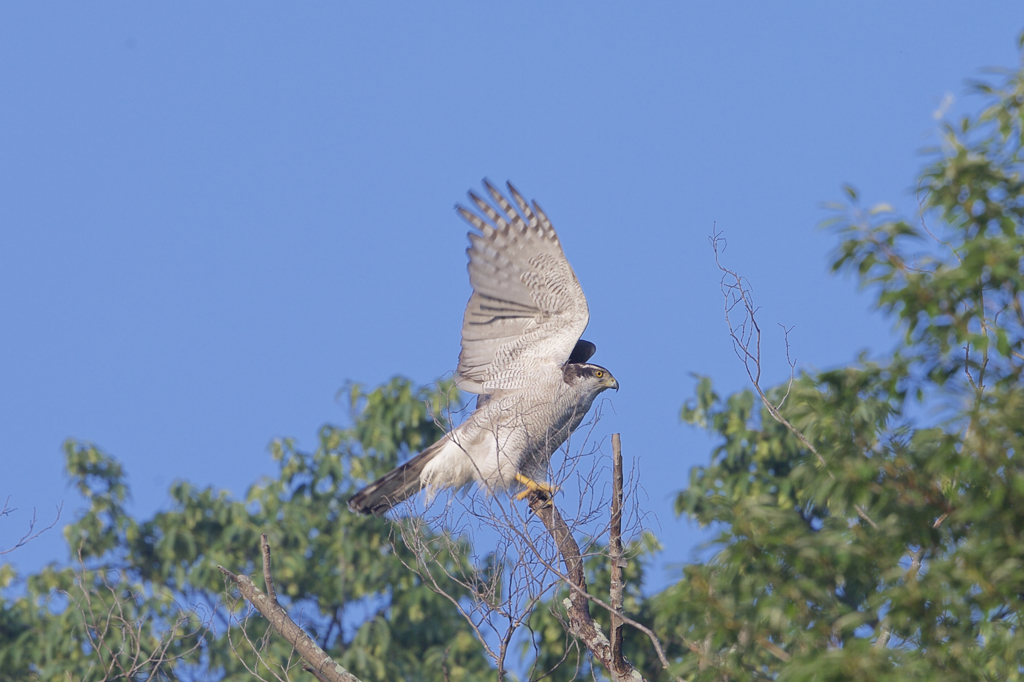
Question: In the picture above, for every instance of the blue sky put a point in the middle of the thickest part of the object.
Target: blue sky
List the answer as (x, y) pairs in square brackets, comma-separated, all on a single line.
[(213, 215)]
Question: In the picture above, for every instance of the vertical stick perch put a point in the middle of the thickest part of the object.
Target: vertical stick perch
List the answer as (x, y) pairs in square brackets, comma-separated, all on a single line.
[(615, 552), (581, 624)]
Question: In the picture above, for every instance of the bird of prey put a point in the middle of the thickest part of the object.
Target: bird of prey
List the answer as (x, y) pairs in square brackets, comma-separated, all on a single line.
[(521, 353)]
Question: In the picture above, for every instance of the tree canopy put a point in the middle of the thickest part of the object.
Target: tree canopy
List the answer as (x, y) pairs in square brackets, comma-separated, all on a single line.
[(157, 580), (876, 532)]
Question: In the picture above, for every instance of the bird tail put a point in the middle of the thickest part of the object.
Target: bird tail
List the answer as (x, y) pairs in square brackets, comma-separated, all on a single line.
[(396, 486)]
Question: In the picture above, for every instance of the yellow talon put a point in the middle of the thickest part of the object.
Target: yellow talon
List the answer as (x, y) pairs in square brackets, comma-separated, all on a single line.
[(533, 486)]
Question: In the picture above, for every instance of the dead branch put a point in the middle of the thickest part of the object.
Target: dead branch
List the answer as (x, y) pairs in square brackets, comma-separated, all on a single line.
[(505, 585), (317, 662), (115, 626), (584, 594), (577, 604), (31, 534), (615, 557), (746, 342), (426, 551)]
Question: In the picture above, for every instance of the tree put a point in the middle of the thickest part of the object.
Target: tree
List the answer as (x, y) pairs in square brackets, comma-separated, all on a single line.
[(144, 599), (871, 516), (147, 599)]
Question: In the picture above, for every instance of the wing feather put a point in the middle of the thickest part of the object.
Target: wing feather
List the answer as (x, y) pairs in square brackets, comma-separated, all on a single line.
[(527, 310), (524, 207)]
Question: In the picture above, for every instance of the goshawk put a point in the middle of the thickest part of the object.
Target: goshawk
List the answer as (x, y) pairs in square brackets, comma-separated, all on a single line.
[(521, 353)]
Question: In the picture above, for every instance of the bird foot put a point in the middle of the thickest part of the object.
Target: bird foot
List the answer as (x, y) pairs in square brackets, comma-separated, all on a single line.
[(544, 490)]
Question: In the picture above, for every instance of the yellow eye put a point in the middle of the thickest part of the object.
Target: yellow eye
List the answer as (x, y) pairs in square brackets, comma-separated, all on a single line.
[(598, 374)]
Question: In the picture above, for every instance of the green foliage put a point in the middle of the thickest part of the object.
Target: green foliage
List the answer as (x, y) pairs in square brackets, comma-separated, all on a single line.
[(890, 545), (141, 594)]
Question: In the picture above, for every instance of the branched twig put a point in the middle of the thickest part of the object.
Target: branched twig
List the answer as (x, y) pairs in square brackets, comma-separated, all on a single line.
[(505, 586), (415, 540), (317, 661), (116, 618), (577, 604), (746, 341), (31, 534)]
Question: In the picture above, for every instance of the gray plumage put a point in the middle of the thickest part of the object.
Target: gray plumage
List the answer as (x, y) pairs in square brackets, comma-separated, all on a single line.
[(521, 353)]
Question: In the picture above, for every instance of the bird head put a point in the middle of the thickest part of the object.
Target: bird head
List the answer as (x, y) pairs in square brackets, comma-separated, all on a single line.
[(594, 377)]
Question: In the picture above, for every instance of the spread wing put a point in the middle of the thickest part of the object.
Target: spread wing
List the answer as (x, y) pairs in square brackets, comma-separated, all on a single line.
[(527, 310)]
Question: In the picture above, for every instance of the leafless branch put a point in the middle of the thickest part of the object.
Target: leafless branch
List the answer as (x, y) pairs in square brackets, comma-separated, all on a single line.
[(615, 557), (746, 341), (257, 649), (31, 534), (505, 586), (583, 593), (322, 666), (577, 604), (115, 624)]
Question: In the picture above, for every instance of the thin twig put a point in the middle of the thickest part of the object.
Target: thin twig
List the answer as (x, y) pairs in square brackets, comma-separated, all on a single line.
[(580, 589), (743, 336), (31, 534), (578, 602)]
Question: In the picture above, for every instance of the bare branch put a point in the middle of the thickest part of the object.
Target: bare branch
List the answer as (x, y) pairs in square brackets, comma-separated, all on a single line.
[(615, 557), (116, 622), (582, 591), (265, 546), (415, 539), (322, 666), (746, 340), (577, 604), (505, 586), (31, 534)]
